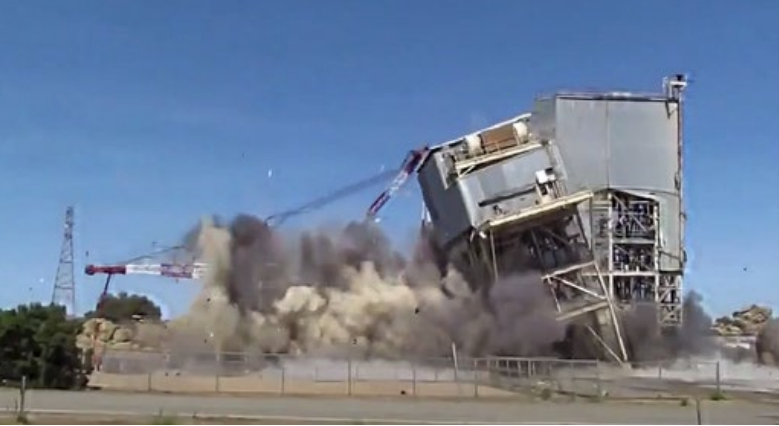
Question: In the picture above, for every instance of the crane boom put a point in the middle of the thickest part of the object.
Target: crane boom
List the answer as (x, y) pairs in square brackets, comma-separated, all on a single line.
[(279, 218), (410, 165), (197, 270), (170, 270)]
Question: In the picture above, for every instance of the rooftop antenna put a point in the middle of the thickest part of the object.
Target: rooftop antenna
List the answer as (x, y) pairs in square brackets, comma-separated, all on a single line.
[(674, 86), (64, 292)]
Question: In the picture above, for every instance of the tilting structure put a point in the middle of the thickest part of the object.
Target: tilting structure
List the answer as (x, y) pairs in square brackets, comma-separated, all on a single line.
[(586, 190), (64, 289)]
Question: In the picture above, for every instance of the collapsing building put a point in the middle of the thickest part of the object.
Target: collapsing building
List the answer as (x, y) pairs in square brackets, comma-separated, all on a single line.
[(586, 189)]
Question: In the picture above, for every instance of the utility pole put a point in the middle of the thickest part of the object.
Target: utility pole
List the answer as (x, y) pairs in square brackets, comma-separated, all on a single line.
[(64, 292)]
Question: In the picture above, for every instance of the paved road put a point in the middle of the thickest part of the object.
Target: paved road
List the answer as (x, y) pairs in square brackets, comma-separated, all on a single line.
[(374, 410)]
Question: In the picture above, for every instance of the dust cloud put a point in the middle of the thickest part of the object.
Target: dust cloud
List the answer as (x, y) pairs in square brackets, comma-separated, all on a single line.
[(333, 291), (647, 343), (767, 345), (328, 292)]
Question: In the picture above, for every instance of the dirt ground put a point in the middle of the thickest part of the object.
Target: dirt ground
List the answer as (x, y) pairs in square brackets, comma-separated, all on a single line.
[(259, 385), (160, 419)]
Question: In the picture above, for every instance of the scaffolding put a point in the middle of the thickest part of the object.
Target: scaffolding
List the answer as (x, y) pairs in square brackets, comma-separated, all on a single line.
[(549, 237)]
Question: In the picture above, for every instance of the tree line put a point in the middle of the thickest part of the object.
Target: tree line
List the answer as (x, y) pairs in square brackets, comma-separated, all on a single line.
[(39, 341)]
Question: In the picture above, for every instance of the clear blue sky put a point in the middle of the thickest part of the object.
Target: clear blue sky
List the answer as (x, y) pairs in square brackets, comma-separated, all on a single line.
[(148, 114)]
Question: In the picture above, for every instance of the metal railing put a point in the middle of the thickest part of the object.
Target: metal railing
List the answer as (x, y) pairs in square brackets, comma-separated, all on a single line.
[(441, 377)]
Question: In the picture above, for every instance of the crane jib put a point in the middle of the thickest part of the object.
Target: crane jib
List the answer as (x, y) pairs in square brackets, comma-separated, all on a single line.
[(410, 165)]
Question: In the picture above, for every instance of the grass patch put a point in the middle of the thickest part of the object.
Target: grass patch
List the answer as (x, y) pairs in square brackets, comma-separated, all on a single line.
[(163, 419), (718, 396), (545, 394)]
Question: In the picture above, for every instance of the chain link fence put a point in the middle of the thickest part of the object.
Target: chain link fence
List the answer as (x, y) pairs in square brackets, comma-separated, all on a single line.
[(440, 377)]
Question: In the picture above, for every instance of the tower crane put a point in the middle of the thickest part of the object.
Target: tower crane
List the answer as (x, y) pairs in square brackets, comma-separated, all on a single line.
[(196, 270)]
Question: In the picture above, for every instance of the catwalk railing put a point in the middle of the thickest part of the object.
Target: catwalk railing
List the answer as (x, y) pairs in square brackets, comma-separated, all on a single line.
[(430, 377)]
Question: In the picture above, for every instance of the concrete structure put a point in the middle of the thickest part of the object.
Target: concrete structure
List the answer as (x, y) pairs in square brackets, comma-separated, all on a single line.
[(586, 189)]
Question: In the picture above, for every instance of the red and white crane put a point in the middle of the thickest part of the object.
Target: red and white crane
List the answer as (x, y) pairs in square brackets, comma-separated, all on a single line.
[(172, 270), (196, 270)]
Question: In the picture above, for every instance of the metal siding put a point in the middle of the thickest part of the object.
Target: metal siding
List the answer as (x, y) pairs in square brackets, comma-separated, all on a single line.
[(623, 144), (502, 179), (581, 138), (670, 207), (542, 120), (643, 140), (447, 210)]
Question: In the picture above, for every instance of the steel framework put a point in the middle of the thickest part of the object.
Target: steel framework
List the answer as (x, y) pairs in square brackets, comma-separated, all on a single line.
[(64, 290), (627, 245), (549, 237)]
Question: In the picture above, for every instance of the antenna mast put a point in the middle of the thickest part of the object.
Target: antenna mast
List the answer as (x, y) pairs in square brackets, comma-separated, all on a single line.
[(64, 292)]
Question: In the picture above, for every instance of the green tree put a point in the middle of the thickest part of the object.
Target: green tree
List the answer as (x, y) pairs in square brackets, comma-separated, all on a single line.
[(125, 307), (39, 342)]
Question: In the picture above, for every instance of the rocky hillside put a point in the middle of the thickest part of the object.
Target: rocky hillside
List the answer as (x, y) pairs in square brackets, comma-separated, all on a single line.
[(745, 322), (103, 333)]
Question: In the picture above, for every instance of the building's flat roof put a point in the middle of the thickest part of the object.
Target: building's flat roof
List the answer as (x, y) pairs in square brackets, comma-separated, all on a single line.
[(493, 126), (573, 95), (607, 96)]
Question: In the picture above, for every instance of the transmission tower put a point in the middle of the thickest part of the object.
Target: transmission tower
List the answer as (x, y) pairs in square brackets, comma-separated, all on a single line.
[(64, 292)]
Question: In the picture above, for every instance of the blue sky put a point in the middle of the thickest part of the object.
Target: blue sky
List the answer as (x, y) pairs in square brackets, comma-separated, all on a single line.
[(147, 115)]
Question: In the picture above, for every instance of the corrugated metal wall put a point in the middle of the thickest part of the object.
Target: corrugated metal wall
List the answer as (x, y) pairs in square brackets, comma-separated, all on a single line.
[(621, 144)]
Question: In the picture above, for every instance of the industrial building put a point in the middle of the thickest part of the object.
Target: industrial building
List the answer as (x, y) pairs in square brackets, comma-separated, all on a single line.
[(586, 188)]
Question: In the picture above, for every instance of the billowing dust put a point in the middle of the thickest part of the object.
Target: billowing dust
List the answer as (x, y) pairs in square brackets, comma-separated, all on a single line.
[(328, 292)]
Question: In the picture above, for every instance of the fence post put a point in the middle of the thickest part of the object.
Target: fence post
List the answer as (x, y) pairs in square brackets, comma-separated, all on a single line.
[(456, 369), (217, 368), (22, 397), (349, 374), (283, 378), (698, 416), (572, 369), (718, 378), (598, 382), (475, 368), (148, 382), (414, 378)]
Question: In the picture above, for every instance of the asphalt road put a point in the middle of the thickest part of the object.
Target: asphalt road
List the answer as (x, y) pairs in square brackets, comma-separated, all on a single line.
[(394, 410)]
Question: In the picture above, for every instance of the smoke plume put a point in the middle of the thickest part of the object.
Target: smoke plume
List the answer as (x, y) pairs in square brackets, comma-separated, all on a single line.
[(767, 346), (327, 292), (647, 343)]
